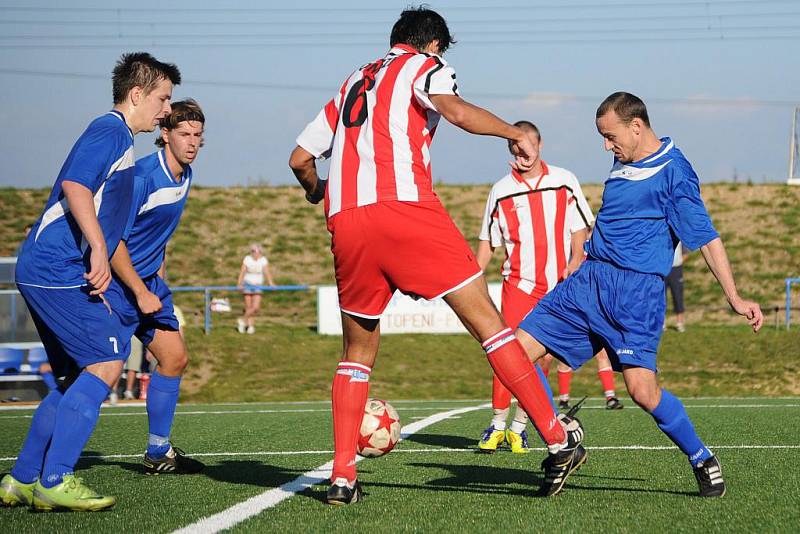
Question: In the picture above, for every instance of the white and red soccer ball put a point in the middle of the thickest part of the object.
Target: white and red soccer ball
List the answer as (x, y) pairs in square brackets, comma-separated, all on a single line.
[(380, 429)]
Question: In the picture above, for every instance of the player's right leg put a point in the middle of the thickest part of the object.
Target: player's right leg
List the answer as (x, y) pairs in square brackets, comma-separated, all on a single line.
[(512, 364)]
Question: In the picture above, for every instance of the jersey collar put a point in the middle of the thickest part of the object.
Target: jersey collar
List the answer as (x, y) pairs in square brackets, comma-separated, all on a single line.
[(118, 114), (518, 177), (406, 48), (162, 159)]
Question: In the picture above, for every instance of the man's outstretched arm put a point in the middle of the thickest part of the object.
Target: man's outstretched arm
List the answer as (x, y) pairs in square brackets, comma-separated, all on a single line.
[(717, 260)]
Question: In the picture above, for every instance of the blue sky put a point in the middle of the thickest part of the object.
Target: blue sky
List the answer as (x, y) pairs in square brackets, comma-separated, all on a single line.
[(721, 77)]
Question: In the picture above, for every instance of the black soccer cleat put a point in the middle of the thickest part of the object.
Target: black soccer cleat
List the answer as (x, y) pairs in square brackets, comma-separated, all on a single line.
[(709, 478), (557, 467), (613, 403), (341, 493), (564, 405), (175, 462)]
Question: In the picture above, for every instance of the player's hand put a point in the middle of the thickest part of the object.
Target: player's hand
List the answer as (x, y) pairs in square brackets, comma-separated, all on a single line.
[(99, 277), (571, 268), (148, 303), (751, 311), (318, 193), (525, 154)]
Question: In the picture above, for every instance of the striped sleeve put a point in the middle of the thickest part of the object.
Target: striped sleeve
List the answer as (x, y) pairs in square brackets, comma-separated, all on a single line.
[(436, 77), (317, 137)]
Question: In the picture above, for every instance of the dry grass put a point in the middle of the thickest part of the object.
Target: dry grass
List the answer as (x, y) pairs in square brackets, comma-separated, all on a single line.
[(760, 225)]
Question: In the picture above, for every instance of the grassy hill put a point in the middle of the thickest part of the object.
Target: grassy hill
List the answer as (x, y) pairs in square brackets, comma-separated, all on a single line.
[(760, 225), (287, 360)]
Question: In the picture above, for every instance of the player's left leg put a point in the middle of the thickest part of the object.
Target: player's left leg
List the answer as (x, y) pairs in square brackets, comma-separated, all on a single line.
[(672, 419), (349, 393), (169, 350)]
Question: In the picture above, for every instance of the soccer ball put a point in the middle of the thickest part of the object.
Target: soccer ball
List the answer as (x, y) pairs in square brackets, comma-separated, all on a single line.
[(380, 429)]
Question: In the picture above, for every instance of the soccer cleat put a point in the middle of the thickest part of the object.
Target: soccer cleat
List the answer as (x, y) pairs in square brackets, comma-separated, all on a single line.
[(518, 442), (174, 461), (71, 494), (491, 439), (15, 493), (558, 466), (709, 478), (342, 492), (613, 403), (564, 405)]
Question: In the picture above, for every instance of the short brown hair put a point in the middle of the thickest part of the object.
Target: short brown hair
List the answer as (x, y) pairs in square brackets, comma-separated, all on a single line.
[(528, 125), (140, 69), (626, 106), (183, 110)]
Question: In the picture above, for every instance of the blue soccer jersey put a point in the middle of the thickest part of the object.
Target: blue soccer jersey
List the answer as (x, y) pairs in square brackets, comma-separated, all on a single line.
[(158, 204), (648, 206), (55, 255)]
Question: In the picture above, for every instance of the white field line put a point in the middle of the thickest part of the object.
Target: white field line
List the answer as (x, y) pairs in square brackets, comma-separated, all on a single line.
[(425, 409), (426, 450), (126, 404), (257, 504)]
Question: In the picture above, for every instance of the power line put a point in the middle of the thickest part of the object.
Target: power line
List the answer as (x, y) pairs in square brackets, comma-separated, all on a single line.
[(544, 20), (551, 97), (560, 6), (502, 33)]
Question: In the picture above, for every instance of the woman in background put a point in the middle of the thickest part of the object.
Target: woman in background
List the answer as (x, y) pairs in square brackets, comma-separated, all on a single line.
[(255, 268)]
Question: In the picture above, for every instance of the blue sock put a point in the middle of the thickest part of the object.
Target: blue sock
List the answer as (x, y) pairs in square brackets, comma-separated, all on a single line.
[(546, 385), (29, 463), (162, 398), (50, 381), (75, 420), (673, 420)]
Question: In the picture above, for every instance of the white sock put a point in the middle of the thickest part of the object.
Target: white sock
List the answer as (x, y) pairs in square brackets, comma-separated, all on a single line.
[(499, 418)]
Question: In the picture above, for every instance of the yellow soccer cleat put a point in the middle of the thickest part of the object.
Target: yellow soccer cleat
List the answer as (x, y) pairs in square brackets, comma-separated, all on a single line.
[(15, 493), (491, 439), (71, 494), (518, 442)]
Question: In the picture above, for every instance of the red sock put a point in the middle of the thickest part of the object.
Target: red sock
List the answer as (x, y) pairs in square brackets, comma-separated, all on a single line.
[(515, 370), (564, 380), (501, 397), (349, 395), (607, 379)]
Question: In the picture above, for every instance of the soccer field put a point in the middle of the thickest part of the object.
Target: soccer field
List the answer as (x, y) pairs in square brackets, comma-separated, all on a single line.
[(635, 480)]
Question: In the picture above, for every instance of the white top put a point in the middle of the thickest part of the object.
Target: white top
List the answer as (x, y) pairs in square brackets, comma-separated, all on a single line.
[(534, 219), (254, 270), (677, 260)]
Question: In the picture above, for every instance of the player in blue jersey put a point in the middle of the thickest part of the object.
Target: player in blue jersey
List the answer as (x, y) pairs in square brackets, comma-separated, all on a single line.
[(615, 301), (63, 272), (138, 292)]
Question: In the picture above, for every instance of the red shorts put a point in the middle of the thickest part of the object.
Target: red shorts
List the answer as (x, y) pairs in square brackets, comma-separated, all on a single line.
[(515, 304), (411, 246)]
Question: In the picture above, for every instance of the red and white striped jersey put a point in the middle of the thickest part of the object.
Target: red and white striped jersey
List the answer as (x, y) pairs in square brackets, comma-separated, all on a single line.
[(534, 220), (378, 128)]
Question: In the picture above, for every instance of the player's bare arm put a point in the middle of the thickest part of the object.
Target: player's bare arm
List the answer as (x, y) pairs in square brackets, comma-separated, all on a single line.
[(577, 240), (81, 205), (484, 254), (717, 260), (304, 167), (123, 267), (477, 120)]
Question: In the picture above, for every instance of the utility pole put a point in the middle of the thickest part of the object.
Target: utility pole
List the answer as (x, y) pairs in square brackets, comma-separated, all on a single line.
[(794, 151)]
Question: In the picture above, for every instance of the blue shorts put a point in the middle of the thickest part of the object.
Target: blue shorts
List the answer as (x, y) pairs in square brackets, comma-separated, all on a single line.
[(135, 323), (76, 329), (601, 306)]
